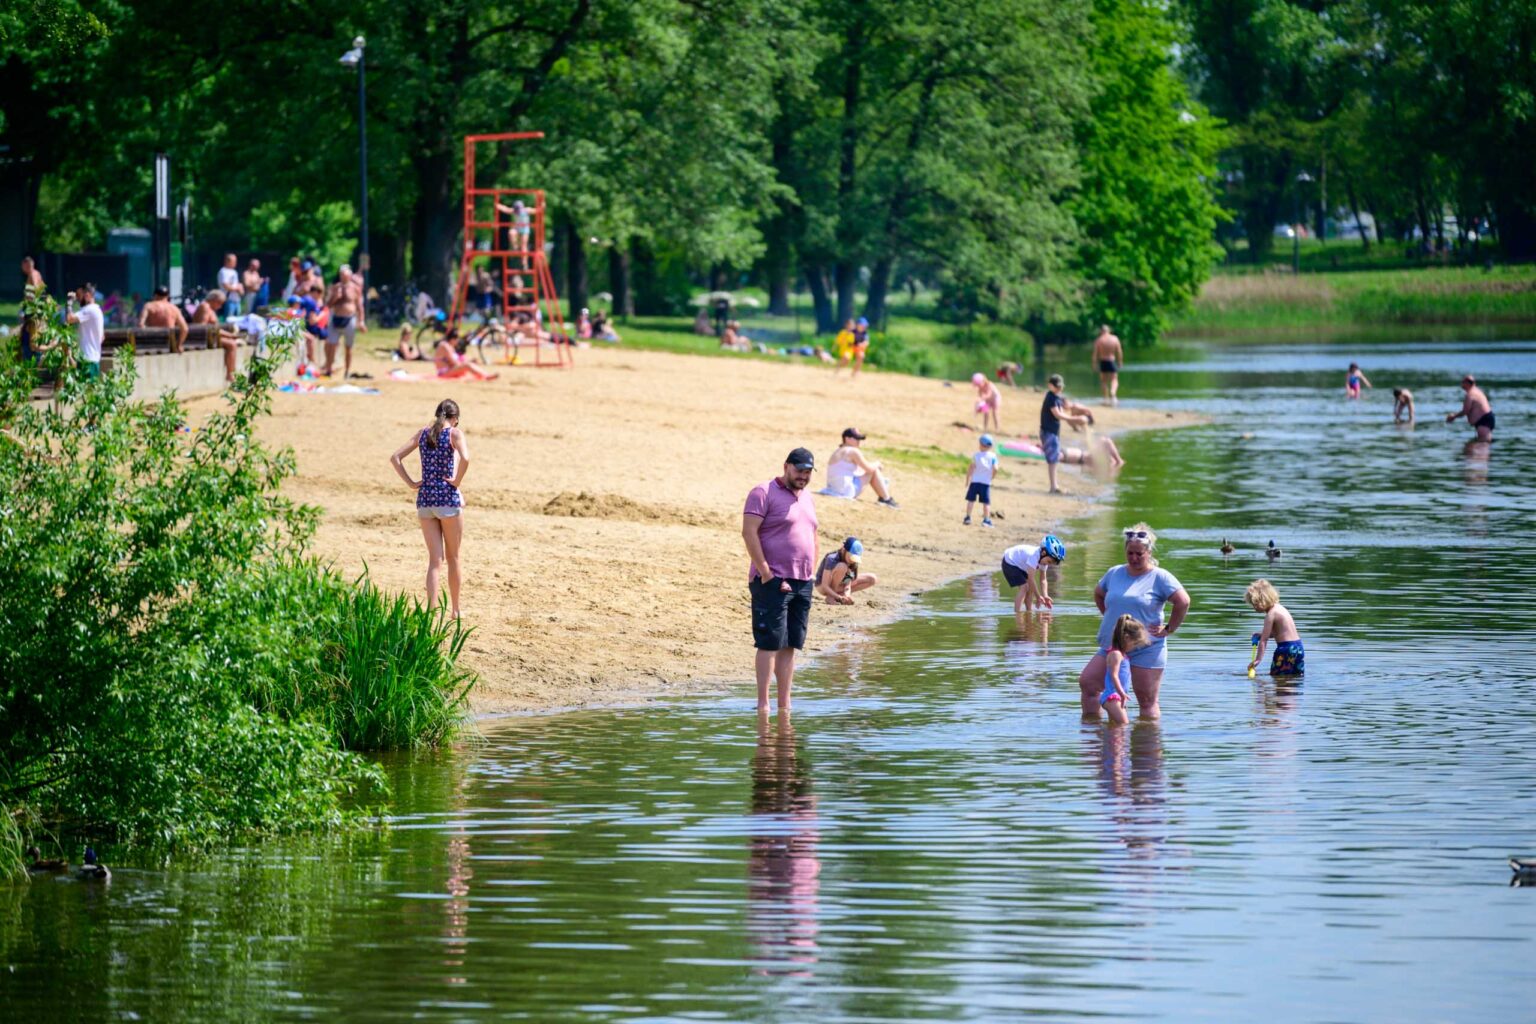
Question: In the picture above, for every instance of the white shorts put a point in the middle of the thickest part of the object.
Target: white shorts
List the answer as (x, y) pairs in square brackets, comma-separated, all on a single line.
[(850, 487), (438, 511)]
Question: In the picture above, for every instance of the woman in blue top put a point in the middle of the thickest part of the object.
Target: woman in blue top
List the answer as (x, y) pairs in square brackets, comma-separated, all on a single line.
[(1139, 589), (439, 505)]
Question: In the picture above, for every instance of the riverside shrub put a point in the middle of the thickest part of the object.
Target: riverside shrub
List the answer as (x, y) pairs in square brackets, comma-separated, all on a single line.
[(127, 652)]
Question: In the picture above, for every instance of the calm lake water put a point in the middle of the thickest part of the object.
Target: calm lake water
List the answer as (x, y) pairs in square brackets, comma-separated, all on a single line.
[(937, 836)]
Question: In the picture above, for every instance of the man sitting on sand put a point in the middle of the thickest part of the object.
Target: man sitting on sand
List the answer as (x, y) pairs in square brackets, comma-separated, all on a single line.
[(838, 577), (849, 469), (1476, 408)]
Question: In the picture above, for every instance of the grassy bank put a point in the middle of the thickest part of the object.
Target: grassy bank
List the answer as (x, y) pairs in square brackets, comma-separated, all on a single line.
[(913, 341), (1240, 299)]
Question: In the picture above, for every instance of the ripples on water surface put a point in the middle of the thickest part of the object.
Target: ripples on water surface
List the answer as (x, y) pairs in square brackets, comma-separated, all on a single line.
[(937, 837)]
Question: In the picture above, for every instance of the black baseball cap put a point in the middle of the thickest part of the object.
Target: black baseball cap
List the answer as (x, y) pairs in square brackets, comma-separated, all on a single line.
[(854, 433), (801, 458)]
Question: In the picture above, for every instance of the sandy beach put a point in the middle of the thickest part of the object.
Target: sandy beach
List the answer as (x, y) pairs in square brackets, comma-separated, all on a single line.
[(602, 556)]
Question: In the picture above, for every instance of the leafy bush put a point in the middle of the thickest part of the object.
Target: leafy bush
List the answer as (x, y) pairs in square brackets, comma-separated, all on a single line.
[(154, 584), (379, 672), (953, 353)]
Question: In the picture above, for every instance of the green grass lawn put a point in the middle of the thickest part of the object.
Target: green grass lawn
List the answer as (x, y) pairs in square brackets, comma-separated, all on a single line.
[(1256, 299), (913, 341)]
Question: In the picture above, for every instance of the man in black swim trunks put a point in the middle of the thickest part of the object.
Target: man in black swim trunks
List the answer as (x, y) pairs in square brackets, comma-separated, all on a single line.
[(1109, 355), (1476, 408)]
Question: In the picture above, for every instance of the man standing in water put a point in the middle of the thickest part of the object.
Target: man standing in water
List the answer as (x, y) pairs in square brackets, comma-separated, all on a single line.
[(1109, 355), (1476, 408), (778, 526)]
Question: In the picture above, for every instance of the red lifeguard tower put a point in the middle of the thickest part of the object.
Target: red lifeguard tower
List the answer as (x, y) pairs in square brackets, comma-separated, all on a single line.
[(514, 247)]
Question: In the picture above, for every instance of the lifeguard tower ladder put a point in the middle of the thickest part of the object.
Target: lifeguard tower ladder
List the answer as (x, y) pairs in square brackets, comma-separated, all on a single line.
[(526, 288)]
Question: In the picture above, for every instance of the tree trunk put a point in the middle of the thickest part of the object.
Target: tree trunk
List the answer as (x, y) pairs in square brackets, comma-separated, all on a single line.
[(879, 288), (778, 263), (779, 232), (435, 227), (719, 277), (848, 222), (576, 269), (645, 287), (618, 282), (846, 277), (1516, 231), (1354, 209), (816, 280)]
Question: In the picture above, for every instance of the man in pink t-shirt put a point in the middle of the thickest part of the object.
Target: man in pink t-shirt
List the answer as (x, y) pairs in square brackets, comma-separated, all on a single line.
[(778, 525)]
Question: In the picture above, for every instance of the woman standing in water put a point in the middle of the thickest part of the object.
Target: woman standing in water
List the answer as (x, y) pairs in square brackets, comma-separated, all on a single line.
[(439, 505), (1139, 589)]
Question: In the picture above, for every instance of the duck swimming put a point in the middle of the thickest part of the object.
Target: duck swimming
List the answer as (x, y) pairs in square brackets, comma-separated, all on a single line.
[(1226, 548), (1272, 552), (37, 866), (92, 870)]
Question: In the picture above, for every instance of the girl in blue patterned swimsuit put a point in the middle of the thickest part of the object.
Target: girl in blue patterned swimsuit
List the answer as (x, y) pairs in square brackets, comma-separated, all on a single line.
[(438, 502)]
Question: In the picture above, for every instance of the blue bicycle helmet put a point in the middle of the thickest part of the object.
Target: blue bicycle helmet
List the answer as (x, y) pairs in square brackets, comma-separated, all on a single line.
[(1053, 546)]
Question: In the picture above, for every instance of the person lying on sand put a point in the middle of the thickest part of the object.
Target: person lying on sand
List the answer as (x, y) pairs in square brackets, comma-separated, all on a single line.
[(450, 364)]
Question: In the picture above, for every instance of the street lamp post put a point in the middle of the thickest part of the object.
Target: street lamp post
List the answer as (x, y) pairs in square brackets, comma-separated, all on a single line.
[(1301, 179), (354, 58)]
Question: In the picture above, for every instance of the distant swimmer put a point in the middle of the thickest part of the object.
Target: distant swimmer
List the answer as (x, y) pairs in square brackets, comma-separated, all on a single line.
[(1352, 381), (1110, 356), (1402, 405), (1476, 408)]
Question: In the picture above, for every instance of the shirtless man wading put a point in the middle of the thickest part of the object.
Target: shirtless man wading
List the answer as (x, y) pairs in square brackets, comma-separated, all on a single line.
[(345, 300), (1109, 356), (1476, 408)]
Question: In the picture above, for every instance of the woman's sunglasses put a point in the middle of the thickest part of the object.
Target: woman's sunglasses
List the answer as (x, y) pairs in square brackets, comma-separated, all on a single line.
[(1136, 535)]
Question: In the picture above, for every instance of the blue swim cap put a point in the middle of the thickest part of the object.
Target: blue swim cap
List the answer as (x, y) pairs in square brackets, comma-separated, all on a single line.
[(853, 546), (986, 440), (1053, 546)]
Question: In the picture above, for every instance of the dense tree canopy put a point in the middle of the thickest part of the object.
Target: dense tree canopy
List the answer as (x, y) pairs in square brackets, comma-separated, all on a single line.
[(1039, 160), (1410, 110)]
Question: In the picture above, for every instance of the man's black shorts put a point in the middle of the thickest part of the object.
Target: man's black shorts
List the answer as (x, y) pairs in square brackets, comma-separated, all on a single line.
[(779, 619)]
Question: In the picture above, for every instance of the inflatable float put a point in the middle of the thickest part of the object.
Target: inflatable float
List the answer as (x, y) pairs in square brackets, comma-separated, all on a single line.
[(1020, 448)]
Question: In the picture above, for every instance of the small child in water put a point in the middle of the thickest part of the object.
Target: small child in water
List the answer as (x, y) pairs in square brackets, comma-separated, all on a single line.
[(1353, 380), (1402, 405), (1129, 635), (978, 481), (1290, 656)]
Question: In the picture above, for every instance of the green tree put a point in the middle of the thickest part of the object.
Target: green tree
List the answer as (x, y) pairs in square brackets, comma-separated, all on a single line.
[(1274, 70), (1147, 206)]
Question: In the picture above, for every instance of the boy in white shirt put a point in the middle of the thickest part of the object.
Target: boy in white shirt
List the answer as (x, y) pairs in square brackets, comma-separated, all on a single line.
[(978, 479)]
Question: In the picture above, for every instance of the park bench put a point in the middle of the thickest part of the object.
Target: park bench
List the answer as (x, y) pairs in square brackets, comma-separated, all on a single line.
[(152, 340)]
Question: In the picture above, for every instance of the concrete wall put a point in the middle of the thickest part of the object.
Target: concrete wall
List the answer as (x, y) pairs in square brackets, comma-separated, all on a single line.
[(193, 372)]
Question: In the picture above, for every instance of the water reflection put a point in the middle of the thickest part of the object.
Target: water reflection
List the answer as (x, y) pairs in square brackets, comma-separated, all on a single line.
[(783, 871), (1133, 781)]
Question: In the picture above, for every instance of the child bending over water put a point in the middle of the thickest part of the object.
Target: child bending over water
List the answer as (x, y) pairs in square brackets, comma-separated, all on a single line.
[(1129, 635), (1290, 656)]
